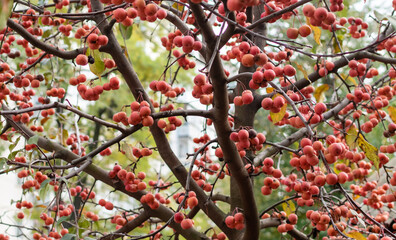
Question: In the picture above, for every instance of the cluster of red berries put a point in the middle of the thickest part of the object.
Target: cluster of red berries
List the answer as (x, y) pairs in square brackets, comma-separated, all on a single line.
[(268, 168), (62, 210), (200, 179), (289, 225), (357, 69), (248, 139), (236, 221), (320, 220), (274, 105), (105, 152), (270, 183), (247, 55), (47, 219), (389, 44), (144, 152), (106, 204), (319, 16), (324, 68), (166, 89), (173, 123), (24, 204), (150, 200), (246, 98), (56, 92), (21, 159), (65, 29), (336, 5), (190, 202), (187, 43), (92, 216), (140, 114), (356, 27), (93, 94), (131, 182), (202, 89)]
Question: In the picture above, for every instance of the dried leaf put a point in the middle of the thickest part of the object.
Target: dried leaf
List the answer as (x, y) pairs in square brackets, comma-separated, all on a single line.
[(270, 89), (319, 92), (316, 31), (302, 69), (178, 7), (351, 137), (349, 78), (392, 113), (128, 149), (288, 206), (355, 235), (277, 117), (369, 150), (5, 11)]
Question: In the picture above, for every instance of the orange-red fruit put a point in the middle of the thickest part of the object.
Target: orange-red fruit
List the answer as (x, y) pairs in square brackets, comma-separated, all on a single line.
[(109, 206), (82, 60), (186, 223), (292, 33), (120, 14), (320, 14), (309, 10), (304, 30)]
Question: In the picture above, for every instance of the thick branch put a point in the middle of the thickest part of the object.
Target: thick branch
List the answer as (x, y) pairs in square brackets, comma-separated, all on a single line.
[(43, 46)]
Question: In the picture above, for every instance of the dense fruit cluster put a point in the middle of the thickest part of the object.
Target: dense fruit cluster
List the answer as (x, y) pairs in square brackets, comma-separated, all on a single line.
[(236, 221), (247, 139)]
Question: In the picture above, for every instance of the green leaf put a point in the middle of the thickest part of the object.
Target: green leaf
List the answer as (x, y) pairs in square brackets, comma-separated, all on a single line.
[(68, 236), (43, 189), (126, 32), (62, 219), (84, 224), (88, 238), (13, 154), (3, 160), (98, 66), (12, 146), (33, 140)]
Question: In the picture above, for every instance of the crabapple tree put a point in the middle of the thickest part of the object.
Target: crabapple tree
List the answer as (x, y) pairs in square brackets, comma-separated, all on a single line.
[(294, 98)]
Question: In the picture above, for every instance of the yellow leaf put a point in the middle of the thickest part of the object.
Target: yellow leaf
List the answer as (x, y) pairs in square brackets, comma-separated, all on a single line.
[(339, 161), (355, 235), (351, 137), (128, 149), (316, 31), (369, 150), (277, 117), (269, 89), (41, 206), (356, 197), (288, 206), (178, 7), (319, 92), (392, 113), (302, 69), (349, 78)]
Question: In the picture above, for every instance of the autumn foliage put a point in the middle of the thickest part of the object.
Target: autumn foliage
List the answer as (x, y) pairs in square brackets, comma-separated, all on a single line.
[(294, 98)]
